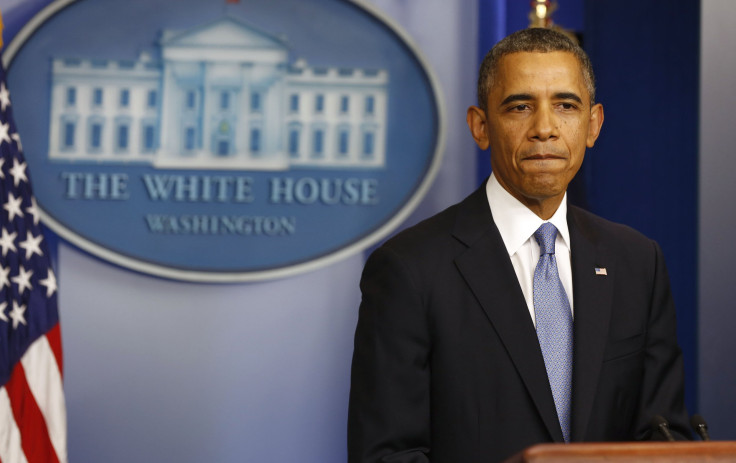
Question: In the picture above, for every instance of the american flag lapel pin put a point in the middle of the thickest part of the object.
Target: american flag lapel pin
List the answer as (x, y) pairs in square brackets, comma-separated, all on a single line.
[(601, 271)]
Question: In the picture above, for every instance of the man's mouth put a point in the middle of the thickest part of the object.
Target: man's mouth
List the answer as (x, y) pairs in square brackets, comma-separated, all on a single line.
[(542, 157)]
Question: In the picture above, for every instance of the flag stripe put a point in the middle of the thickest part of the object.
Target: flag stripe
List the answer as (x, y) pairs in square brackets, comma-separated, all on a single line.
[(44, 381), (10, 449), (54, 337), (35, 439)]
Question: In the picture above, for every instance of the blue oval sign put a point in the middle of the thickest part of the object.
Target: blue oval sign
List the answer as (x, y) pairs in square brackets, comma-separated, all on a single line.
[(223, 140)]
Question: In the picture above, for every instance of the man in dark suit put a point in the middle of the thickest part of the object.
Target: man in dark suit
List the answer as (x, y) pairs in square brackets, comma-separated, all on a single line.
[(512, 318)]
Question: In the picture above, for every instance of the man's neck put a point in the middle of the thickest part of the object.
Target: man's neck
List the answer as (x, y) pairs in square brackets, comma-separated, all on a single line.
[(544, 208)]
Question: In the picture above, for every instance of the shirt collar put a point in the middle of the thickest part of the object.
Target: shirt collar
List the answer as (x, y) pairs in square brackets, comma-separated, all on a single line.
[(516, 222)]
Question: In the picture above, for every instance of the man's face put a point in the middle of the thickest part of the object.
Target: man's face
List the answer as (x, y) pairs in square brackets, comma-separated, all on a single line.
[(538, 124)]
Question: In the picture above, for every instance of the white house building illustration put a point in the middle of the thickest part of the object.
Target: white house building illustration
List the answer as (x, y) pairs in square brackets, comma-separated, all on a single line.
[(222, 96)]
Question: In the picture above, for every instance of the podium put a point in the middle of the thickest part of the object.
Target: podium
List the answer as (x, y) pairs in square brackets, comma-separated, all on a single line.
[(629, 452)]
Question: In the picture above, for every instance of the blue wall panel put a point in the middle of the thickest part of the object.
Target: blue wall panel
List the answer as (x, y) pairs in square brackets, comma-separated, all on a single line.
[(643, 169)]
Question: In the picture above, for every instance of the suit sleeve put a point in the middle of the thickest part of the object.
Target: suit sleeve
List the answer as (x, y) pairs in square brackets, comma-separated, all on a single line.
[(388, 417), (663, 385)]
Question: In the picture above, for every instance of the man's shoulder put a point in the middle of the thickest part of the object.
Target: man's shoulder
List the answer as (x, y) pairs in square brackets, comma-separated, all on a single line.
[(429, 232), (448, 227), (606, 231)]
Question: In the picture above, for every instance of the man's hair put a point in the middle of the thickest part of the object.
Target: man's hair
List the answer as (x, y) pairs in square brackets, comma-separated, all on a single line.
[(531, 40)]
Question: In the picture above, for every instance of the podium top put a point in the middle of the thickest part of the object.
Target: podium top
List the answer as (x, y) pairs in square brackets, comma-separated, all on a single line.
[(629, 452)]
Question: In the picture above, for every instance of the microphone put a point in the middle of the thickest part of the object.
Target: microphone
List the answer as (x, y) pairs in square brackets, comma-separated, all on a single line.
[(659, 423), (700, 427)]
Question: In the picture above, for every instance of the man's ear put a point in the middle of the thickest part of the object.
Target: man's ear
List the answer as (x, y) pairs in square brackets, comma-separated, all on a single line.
[(596, 121), (476, 119)]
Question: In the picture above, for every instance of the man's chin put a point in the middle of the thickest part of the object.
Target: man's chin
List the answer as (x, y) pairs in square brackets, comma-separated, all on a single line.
[(541, 191)]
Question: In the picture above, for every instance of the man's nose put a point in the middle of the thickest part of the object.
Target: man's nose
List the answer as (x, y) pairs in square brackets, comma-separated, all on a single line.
[(545, 125)]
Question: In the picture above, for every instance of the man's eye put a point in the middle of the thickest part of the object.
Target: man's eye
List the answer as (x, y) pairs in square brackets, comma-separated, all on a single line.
[(567, 106), (520, 107)]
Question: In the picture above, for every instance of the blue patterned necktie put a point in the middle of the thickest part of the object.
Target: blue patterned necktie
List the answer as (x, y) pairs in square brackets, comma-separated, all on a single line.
[(554, 324)]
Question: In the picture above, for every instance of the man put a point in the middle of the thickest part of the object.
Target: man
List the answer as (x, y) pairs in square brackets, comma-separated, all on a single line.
[(512, 318)]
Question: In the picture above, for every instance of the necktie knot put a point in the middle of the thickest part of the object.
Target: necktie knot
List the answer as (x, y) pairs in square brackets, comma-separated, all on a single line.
[(545, 236)]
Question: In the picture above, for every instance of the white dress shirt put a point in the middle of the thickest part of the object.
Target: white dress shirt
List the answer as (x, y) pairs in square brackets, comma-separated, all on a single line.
[(517, 225)]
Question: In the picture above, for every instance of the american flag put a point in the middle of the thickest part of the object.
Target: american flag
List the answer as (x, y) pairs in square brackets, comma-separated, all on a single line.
[(32, 409)]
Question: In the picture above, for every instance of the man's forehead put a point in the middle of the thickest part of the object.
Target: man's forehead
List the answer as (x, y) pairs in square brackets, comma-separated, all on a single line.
[(520, 69), (552, 59)]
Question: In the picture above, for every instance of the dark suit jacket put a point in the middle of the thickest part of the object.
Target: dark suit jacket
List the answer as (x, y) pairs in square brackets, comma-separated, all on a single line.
[(447, 366)]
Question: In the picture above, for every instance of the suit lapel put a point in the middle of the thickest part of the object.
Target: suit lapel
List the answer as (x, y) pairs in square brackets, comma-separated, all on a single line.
[(487, 269), (592, 299)]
